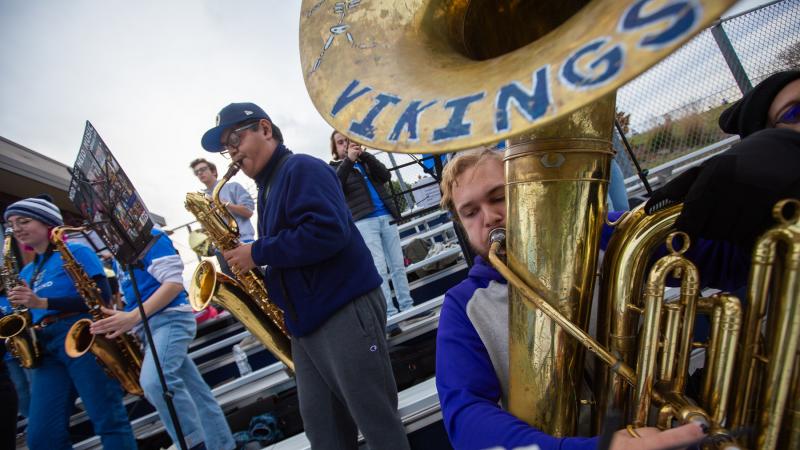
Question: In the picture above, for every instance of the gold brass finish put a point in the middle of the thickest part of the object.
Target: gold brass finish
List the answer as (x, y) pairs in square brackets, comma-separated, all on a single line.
[(558, 248), (726, 323), (246, 297), (432, 76), (209, 285), (120, 357), (636, 236), (16, 328), (768, 388), (676, 342)]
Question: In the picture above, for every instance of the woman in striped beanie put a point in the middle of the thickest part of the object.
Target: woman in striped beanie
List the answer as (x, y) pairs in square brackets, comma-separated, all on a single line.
[(55, 305)]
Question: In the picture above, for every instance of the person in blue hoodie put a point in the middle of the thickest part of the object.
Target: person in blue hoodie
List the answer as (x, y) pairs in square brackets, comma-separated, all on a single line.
[(472, 340), (160, 283), (55, 304), (319, 271)]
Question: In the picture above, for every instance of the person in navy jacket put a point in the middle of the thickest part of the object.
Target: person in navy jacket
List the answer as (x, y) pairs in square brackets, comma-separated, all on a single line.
[(472, 339), (319, 271)]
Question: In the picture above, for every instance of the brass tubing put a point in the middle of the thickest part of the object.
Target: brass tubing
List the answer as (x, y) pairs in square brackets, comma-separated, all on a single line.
[(627, 255), (650, 335), (208, 285), (535, 296), (768, 354), (672, 326), (717, 380), (677, 406), (783, 354)]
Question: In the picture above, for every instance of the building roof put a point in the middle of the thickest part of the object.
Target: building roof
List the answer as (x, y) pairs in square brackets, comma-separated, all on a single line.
[(26, 173)]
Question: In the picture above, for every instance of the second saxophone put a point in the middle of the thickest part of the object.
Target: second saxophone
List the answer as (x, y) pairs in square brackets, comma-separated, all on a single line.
[(121, 357)]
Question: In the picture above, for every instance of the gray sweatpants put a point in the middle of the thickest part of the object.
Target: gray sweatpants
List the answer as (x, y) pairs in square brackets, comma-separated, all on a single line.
[(345, 381)]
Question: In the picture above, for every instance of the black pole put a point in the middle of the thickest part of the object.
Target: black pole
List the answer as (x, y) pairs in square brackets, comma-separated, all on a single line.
[(642, 174), (731, 58), (166, 392)]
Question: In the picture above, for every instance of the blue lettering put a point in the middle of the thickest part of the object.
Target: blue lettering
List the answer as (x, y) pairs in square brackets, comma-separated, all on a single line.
[(409, 120), (365, 128), (347, 96), (611, 62), (682, 15), (531, 104), (456, 127)]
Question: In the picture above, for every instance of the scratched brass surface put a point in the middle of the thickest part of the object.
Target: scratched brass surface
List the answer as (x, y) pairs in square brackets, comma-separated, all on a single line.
[(436, 51)]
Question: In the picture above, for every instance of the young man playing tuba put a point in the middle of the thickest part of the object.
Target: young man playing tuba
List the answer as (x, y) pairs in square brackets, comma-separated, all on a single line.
[(472, 343)]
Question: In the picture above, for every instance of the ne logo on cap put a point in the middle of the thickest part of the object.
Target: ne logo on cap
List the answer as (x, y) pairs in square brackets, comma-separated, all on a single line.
[(248, 112), (217, 119)]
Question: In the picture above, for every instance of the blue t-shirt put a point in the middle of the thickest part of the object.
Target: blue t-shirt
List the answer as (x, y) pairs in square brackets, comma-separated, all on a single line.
[(53, 281), (5, 306), (380, 208), (162, 252)]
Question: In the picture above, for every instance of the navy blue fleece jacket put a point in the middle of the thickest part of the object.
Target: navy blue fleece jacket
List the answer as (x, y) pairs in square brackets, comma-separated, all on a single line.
[(316, 259)]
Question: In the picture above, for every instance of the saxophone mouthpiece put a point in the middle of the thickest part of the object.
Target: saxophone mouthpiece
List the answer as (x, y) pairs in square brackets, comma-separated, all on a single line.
[(232, 169)]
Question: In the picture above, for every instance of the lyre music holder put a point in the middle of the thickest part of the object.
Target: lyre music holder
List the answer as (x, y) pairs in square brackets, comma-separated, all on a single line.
[(106, 198)]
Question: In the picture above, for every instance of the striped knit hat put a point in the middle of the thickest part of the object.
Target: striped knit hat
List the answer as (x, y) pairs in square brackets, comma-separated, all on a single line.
[(40, 208)]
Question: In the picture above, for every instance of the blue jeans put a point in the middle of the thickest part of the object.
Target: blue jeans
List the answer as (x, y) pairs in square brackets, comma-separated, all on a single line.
[(22, 383), (53, 386), (383, 241), (201, 418)]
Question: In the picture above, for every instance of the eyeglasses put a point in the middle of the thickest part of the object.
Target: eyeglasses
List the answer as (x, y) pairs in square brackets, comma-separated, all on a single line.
[(233, 140), (200, 170), (790, 116), (19, 223)]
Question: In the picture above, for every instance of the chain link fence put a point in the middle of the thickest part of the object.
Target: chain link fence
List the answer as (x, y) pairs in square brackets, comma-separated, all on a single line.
[(672, 109)]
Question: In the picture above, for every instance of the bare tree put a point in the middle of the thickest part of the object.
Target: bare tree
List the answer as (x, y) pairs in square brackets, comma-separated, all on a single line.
[(790, 57)]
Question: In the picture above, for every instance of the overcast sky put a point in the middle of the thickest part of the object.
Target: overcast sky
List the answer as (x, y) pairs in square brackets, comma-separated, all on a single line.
[(151, 76)]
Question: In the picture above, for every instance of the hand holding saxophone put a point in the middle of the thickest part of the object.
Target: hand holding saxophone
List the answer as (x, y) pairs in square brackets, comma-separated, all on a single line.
[(239, 259), (116, 322), (22, 295)]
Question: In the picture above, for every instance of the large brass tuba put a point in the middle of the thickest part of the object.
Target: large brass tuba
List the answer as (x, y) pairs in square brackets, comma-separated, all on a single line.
[(16, 328), (443, 75), (767, 391), (121, 357), (246, 296)]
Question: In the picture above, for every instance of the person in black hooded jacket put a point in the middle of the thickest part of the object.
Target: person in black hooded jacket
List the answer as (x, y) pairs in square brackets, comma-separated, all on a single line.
[(730, 197), (363, 180)]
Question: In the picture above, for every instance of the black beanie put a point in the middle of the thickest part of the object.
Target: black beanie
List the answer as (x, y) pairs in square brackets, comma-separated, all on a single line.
[(749, 114)]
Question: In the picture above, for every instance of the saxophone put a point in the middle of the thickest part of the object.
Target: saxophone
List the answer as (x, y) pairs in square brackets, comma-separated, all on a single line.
[(16, 328), (246, 296), (121, 358)]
